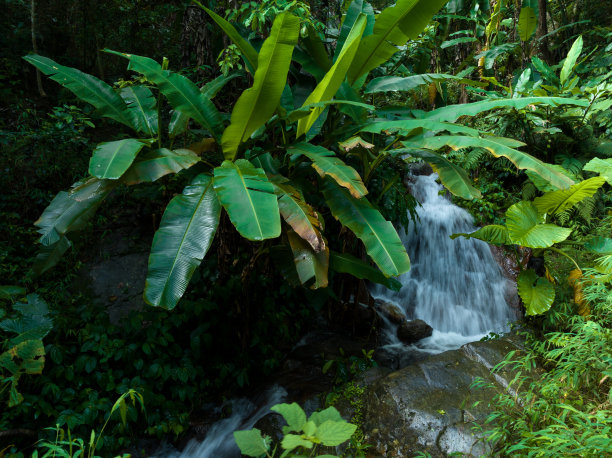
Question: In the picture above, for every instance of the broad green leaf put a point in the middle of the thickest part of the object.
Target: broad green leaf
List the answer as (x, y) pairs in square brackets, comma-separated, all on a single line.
[(526, 228), (86, 87), (521, 83), (331, 414), (111, 159), (333, 433), (493, 233), (257, 104), (408, 125), (212, 88), (247, 50), (293, 414), (348, 93), (141, 108), (179, 122), (393, 27), (326, 163), (556, 202), (332, 80), (292, 441), (251, 442), (154, 165), (48, 256), (378, 235), (70, 211), (315, 48), (601, 166), (600, 245), (453, 112), (545, 71), (306, 110), (396, 83), (182, 94), (457, 41), (308, 263), (490, 55), (349, 264), (248, 197), (11, 291), (353, 13), (498, 148), (570, 60), (300, 216), (185, 234), (536, 292), (453, 177), (527, 23), (543, 185)]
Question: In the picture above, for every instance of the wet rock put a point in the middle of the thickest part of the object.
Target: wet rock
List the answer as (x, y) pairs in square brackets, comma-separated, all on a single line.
[(390, 310), (429, 406), (412, 331)]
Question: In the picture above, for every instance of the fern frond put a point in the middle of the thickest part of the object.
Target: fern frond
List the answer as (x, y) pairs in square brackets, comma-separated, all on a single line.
[(586, 209), (529, 190), (473, 158), (563, 217)]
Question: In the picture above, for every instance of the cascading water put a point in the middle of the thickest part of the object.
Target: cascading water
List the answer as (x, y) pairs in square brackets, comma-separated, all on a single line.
[(453, 285), (219, 441)]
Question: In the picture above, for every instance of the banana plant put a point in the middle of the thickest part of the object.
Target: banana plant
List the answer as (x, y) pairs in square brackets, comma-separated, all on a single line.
[(527, 224)]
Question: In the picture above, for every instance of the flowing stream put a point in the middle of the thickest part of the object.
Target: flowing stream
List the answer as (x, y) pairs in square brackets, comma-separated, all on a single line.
[(455, 286)]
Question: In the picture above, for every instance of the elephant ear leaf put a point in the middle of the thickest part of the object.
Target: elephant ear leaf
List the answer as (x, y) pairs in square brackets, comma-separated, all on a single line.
[(393, 28), (256, 104), (493, 233), (184, 236), (556, 202), (111, 159), (377, 234), (326, 163), (308, 263), (141, 107), (249, 199), (536, 292), (526, 228), (332, 80), (86, 87), (182, 94), (453, 177)]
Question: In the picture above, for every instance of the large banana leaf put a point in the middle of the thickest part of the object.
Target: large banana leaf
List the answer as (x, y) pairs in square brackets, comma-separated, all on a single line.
[(570, 60), (349, 264), (111, 159), (249, 199), (353, 13), (348, 93), (527, 23), (70, 211), (306, 110), (154, 165), (185, 234), (377, 234), (329, 85), (526, 227), (49, 256), (183, 95), (326, 163), (536, 292), (86, 87), (601, 166), (407, 125), (396, 83), (558, 201), (308, 263), (493, 233), (299, 215), (258, 103), (453, 177), (498, 148), (453, 112), (393, 27), (247, 50), (141, 106), (545, 186), (315, 48)]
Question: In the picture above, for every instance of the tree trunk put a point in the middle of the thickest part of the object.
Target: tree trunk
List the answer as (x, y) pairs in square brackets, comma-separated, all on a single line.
[(41, 91), (543, 30)]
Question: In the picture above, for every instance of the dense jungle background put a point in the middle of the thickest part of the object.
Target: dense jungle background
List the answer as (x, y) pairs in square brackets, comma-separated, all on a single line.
[(188, 189)]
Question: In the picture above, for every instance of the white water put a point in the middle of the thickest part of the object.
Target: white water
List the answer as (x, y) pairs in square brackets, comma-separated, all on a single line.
[(219, 441), (453, 285)]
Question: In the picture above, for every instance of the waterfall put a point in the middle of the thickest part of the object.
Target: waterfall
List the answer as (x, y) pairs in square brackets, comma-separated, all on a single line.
[(219, 441), (453, 285)]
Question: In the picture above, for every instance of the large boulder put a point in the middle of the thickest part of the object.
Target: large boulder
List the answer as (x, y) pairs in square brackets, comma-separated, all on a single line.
[(411, 332), (429, 406)]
